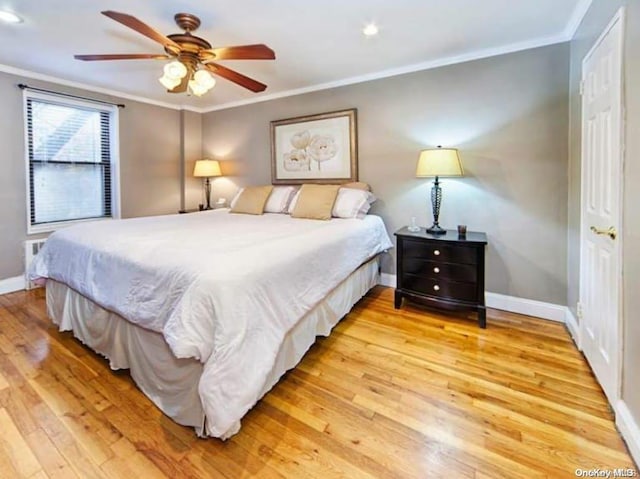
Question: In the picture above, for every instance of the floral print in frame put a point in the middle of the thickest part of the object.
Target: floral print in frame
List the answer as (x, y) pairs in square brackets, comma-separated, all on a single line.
[(315, 149)]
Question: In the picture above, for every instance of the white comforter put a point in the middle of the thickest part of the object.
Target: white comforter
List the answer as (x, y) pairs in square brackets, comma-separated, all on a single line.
[(222, 288)]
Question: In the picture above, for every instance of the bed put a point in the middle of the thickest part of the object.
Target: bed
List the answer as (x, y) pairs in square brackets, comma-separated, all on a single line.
[(209, 309)]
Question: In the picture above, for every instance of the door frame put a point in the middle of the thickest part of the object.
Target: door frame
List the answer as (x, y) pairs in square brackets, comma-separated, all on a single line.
[(618, 17)]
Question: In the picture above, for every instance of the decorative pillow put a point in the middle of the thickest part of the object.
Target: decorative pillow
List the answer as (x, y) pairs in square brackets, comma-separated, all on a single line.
[(315, 202), (352, 203), (279, 199), (251, 200), (357, 185)]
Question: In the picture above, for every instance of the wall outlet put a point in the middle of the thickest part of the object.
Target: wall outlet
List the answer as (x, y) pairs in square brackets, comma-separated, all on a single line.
[(579, 309)]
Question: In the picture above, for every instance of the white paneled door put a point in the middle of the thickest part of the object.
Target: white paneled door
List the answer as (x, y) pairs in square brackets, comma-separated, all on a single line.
[(600, 285)]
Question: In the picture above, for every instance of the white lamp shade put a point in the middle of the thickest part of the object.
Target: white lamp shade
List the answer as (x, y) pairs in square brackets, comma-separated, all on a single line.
[(439, 162), (207, 168), (169, 83), (204, 78), (175, 70), (196, 88)]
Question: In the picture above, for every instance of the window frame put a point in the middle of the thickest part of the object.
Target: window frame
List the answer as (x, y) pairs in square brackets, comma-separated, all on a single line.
[(114, 146)]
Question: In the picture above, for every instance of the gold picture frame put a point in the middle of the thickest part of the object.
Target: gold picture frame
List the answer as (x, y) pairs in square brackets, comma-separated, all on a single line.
[(321, 149)]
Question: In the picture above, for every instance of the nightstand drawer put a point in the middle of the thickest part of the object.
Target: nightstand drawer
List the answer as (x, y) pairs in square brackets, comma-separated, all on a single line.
[(440, 288), (467, 273), (431, 250)]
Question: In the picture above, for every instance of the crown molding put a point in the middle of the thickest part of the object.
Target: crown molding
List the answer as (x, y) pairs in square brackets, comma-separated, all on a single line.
[(105, 91), (416, 67), (576, 19)]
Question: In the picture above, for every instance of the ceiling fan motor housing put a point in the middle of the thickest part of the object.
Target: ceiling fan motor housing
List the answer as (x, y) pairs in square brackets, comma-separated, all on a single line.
[(187, 21), (191, 47)]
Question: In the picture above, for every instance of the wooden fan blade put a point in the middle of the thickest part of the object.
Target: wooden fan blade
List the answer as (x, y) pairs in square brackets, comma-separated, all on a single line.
[(182, 87), (142, 28), (243, 52), (235, 77), (123, 56)]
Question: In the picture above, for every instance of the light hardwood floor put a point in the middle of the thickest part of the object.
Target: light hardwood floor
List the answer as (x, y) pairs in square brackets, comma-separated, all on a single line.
[(391, 394)]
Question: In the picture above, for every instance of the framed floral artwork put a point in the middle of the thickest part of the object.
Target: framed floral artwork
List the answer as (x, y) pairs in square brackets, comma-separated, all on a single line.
[(315, 149)]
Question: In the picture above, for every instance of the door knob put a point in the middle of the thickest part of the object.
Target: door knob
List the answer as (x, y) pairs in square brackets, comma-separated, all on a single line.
[(611, 232)]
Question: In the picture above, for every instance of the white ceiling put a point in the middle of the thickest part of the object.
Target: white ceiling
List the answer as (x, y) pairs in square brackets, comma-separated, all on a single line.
[(318, 43)]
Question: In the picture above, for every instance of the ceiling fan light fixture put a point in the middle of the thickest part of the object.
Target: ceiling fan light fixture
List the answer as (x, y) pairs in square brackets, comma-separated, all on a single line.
[(197, 89), (204, 78), (168, 82), (175, 70)]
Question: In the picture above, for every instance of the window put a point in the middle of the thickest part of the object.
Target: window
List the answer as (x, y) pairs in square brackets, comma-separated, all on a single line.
[(71, 161)]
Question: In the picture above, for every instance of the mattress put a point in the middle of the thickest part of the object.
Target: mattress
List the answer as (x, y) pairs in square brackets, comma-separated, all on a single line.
[(222, 289)]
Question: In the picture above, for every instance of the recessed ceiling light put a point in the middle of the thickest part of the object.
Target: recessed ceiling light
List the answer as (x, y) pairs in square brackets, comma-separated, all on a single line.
[(9, 17), (370, 30)]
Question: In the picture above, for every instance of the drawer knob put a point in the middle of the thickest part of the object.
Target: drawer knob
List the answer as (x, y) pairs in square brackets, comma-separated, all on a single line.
[(436, 270), (436, 252), (436, 287)]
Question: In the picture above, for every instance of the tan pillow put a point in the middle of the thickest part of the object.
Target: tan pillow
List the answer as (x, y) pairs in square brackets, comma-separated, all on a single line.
[(252, 200), (357, 185), (315, 202)]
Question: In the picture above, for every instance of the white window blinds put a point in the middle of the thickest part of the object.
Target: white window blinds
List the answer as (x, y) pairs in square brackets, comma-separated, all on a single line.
[(70, 160)]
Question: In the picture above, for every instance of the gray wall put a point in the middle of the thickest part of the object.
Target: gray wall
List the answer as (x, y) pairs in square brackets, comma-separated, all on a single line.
[(192, 140), (595, 21), (149, 160), (508, 116), (149, 164)]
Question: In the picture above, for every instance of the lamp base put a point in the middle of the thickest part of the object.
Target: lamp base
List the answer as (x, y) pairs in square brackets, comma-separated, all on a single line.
[(436, 229), (207, 192), (436, 199)]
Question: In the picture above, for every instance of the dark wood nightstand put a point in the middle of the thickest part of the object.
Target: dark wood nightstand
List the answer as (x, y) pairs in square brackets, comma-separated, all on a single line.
[(442, 270)]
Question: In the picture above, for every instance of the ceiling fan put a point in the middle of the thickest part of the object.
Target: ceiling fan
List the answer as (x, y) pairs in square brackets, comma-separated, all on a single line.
[(193, 56)]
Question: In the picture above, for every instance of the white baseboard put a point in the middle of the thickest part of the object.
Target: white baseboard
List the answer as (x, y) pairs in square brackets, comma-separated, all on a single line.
[(573, 327), (629, 429), (530, 307), (10, 285), (387, 280)]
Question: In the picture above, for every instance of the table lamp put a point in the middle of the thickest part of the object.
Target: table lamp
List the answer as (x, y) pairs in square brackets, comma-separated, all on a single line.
[(207, 169), (438, 162)]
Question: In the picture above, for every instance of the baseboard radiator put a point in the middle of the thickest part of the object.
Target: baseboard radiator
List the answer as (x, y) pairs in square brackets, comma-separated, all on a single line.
[(31, 249)]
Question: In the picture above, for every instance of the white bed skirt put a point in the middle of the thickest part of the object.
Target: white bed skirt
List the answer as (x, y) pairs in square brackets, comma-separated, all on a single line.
[(171, 383)]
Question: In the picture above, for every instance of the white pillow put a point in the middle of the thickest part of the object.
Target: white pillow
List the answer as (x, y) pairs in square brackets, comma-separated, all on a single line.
[(235, 198), (352, 203), (279, 199), (294, 200)]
